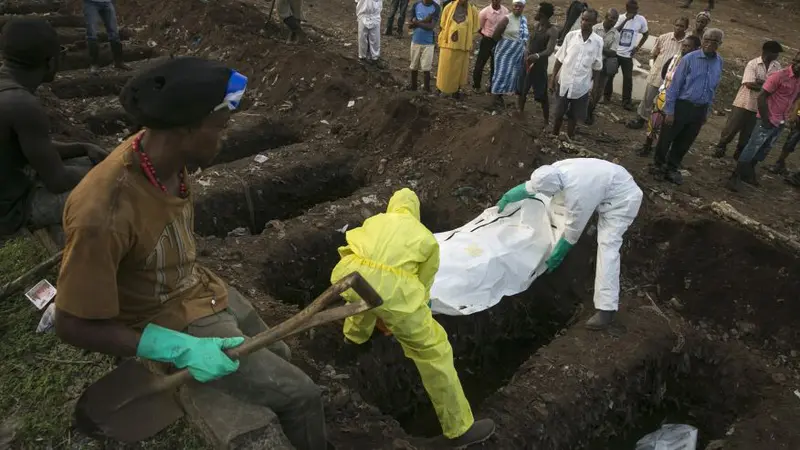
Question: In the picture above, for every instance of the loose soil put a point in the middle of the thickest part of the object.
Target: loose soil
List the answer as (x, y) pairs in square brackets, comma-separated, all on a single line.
[(708, 327)]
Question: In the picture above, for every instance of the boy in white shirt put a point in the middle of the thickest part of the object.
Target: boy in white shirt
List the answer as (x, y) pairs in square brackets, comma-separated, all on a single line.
[(630, 27)]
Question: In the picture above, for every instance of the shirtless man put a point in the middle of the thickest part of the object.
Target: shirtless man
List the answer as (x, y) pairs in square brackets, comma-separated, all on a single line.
[(36, 174)]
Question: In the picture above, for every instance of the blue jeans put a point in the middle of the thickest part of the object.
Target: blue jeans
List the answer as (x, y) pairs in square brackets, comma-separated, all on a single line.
[(93, 11), (761, 142)]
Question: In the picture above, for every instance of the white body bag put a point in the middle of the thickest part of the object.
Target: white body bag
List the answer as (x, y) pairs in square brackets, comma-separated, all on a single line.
[(494, 255)]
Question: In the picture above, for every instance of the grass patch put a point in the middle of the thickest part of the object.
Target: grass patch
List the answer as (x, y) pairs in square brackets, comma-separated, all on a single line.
[(41, 377)]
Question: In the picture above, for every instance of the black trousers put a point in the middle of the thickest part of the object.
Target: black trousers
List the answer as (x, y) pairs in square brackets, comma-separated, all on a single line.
[(676, 139), (398, 9), (485, 53), (626, 65)]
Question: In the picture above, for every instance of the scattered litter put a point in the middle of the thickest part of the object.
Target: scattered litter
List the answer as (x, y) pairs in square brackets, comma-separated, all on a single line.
[(675, 304), (203, 182), (382, 166), (520, 164), (48, 319), (325, 122), (371, 199), (238, 232), (670, 437), (151, 43), (797, 393), (285, 106), (343, 229), (351, 103), (41, 294), (348, 44), (260, 159), (685, 173)]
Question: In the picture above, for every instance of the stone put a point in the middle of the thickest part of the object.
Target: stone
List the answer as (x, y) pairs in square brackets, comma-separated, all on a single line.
[(745, 327)]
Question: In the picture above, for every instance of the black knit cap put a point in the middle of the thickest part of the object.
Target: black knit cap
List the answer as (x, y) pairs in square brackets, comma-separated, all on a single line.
[(29, 42), (175, 93)]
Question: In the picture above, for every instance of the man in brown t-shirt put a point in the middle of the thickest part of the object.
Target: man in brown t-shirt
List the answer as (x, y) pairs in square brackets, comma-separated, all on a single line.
[(129, 282)]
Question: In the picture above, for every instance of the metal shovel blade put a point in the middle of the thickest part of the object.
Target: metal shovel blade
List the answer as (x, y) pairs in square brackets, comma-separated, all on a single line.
[(122, 404)]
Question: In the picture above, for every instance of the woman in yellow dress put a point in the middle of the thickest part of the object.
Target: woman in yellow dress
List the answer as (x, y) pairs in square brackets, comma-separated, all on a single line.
[(458, 25)]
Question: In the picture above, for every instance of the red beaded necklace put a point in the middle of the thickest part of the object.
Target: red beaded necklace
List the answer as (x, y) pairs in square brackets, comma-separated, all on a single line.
[(150, 172)]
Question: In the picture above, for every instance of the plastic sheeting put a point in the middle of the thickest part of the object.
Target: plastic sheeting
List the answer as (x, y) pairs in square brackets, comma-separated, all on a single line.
[(494, 255), (670, 437)]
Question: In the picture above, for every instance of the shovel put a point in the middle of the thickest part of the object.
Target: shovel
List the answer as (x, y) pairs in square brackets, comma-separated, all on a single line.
[(131, 403)]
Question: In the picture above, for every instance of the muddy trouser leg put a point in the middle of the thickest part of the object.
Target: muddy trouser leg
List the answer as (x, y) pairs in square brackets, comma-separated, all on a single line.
[(91, 15), (109, 16), (375, 42), (297, 9), (626, 64), (403, 6), (792, 141), (47, 208), (363, 42), (390, 19), (266, 379), (761, 141), (611, 226), (609, 88), (732, 126), (425, 342), (646, 105), (484, 54), (688, 122), (746, 128)]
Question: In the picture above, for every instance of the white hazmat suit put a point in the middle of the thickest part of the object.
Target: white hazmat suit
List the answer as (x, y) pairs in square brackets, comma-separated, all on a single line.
[(368, 13), (583, 186)]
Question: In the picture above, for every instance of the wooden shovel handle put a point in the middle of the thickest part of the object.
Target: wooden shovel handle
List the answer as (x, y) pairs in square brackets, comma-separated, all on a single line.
[(313, 315)]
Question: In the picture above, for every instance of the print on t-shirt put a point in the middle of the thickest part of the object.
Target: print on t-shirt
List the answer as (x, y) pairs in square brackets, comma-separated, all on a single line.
[(626, 38)]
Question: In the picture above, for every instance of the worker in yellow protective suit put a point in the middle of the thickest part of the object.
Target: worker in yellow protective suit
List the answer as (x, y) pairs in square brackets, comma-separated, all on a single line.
[(399, 257)]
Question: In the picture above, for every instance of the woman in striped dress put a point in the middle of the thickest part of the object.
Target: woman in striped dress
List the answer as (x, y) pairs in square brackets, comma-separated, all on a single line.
[(512, 35)]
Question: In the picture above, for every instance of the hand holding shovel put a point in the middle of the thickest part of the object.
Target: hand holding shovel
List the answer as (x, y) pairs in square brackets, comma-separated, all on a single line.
[(131, 403)]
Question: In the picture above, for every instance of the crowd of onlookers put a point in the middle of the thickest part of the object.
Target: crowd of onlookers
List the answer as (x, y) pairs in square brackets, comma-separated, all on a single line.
[(684, 74)]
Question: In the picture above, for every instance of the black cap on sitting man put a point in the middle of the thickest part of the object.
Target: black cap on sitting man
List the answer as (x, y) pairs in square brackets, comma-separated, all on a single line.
[(184, 104)]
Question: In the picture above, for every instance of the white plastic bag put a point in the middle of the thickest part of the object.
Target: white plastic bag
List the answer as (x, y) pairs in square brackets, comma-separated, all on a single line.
[(48, 319), (670, 437), (494, 255)]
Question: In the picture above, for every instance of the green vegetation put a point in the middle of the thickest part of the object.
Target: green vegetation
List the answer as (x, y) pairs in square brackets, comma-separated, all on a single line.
[(41, 378)]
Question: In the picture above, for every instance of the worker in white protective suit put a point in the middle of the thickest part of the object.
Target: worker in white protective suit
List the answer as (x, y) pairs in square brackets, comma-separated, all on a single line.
[(583, 186), (368, 13)]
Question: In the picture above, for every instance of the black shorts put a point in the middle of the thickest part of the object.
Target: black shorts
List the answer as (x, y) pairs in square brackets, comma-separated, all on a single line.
[(574, 108)]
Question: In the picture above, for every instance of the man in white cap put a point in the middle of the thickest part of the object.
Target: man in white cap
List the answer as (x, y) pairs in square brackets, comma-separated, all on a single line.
[(583, 186)]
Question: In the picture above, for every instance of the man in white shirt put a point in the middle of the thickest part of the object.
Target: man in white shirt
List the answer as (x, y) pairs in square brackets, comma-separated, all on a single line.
[(577, 62), (630, 27)]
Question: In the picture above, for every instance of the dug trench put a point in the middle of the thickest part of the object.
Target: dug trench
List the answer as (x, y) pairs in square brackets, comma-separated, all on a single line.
[(528, 363)]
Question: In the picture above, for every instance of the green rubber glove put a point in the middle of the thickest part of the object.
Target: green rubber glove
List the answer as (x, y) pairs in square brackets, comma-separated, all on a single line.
[(557, 257), (203, 356), (515, 194)]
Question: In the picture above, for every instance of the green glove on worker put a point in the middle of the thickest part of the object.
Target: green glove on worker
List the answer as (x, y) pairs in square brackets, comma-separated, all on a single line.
[(515, 194), (203, 356), (557, 257)]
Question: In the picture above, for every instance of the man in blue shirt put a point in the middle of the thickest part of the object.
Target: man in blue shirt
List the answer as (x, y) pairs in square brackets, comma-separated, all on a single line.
[(422, 18), (688, 105)]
